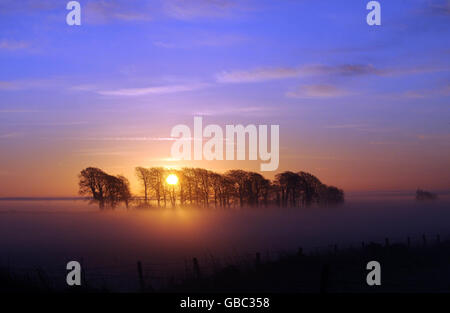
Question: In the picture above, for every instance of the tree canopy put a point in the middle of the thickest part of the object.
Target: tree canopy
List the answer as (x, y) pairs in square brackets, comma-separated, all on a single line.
[(203, 188), (236, 188), (105, 189)]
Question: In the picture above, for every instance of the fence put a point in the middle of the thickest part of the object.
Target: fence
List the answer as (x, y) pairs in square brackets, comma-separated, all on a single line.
[(145, 275)]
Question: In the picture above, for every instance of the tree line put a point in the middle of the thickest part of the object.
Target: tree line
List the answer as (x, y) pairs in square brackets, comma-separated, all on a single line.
[(203, 188), (105, 189)]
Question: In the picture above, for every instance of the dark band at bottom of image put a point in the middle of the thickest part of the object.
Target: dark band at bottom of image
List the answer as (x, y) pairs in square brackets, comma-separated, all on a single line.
[(416, 265)]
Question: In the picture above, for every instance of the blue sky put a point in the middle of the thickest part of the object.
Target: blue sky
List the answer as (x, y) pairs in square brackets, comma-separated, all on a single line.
[(361, 107)]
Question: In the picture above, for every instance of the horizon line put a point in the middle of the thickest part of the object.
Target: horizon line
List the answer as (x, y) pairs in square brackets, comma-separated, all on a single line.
[(50, 198)]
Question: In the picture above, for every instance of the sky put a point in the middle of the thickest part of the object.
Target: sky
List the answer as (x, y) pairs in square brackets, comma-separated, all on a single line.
[(361, 107)]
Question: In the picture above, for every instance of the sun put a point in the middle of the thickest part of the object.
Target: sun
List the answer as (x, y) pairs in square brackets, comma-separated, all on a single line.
[(172, 179)]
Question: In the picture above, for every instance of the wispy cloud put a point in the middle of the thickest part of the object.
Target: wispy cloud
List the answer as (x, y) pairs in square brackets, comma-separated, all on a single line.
[(201, 40), (256, 75), (135, 138), (413, 94), (317, 91), (7, 85), (347, 126), (93, 11), (103, 11), (132, 10), (102, 152), (344, 70), (443, 137), (426, 93), (383, 143), (84, 87), (13, 45), (186, 10), (165, 44), (366, 128), (266, 74), (30, 84), (413, 70), (63, 83), (315, 157), (237, 110), (438, 7), (18, 111), (132, 92), (24, 6), (10, 135)]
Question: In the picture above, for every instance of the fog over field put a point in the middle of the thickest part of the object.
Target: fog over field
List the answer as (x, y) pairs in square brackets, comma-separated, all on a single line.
[(48, 234)]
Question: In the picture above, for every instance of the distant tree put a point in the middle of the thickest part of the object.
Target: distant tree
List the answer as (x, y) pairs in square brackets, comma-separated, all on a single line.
[(330, 195), (425, 195), (239, 179), (113, 190), (288, 184), (182, 186), (157, 176), (254, 184), (103, 188), (92, 182), (125, 193), (309, 186), (216, 184), (203, 187), (267, 188), (188, 179), (303, 189), (144, 178)]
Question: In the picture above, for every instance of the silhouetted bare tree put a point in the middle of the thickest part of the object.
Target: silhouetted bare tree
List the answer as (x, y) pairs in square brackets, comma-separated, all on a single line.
[(304, 189), (103, 188), (309, 186), (157, 176), (288, 184), (239, 180), (92, 182), (144, 177), (330, 195), (125, 193), (200, 187)]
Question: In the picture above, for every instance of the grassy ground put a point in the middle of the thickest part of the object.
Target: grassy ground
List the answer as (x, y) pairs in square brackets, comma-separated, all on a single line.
[(403, 269), (424, 268)]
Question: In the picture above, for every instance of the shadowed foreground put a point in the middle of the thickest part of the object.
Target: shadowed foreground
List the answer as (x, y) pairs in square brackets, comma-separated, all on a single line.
[(404, 268)]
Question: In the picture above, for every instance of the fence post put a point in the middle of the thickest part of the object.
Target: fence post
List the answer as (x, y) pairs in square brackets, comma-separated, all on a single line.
[(438, 239), (362, 244), (424, 240), (409, 242), (386, 242), (141, 276), (196, 268), (300, 251), (335, 249)]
